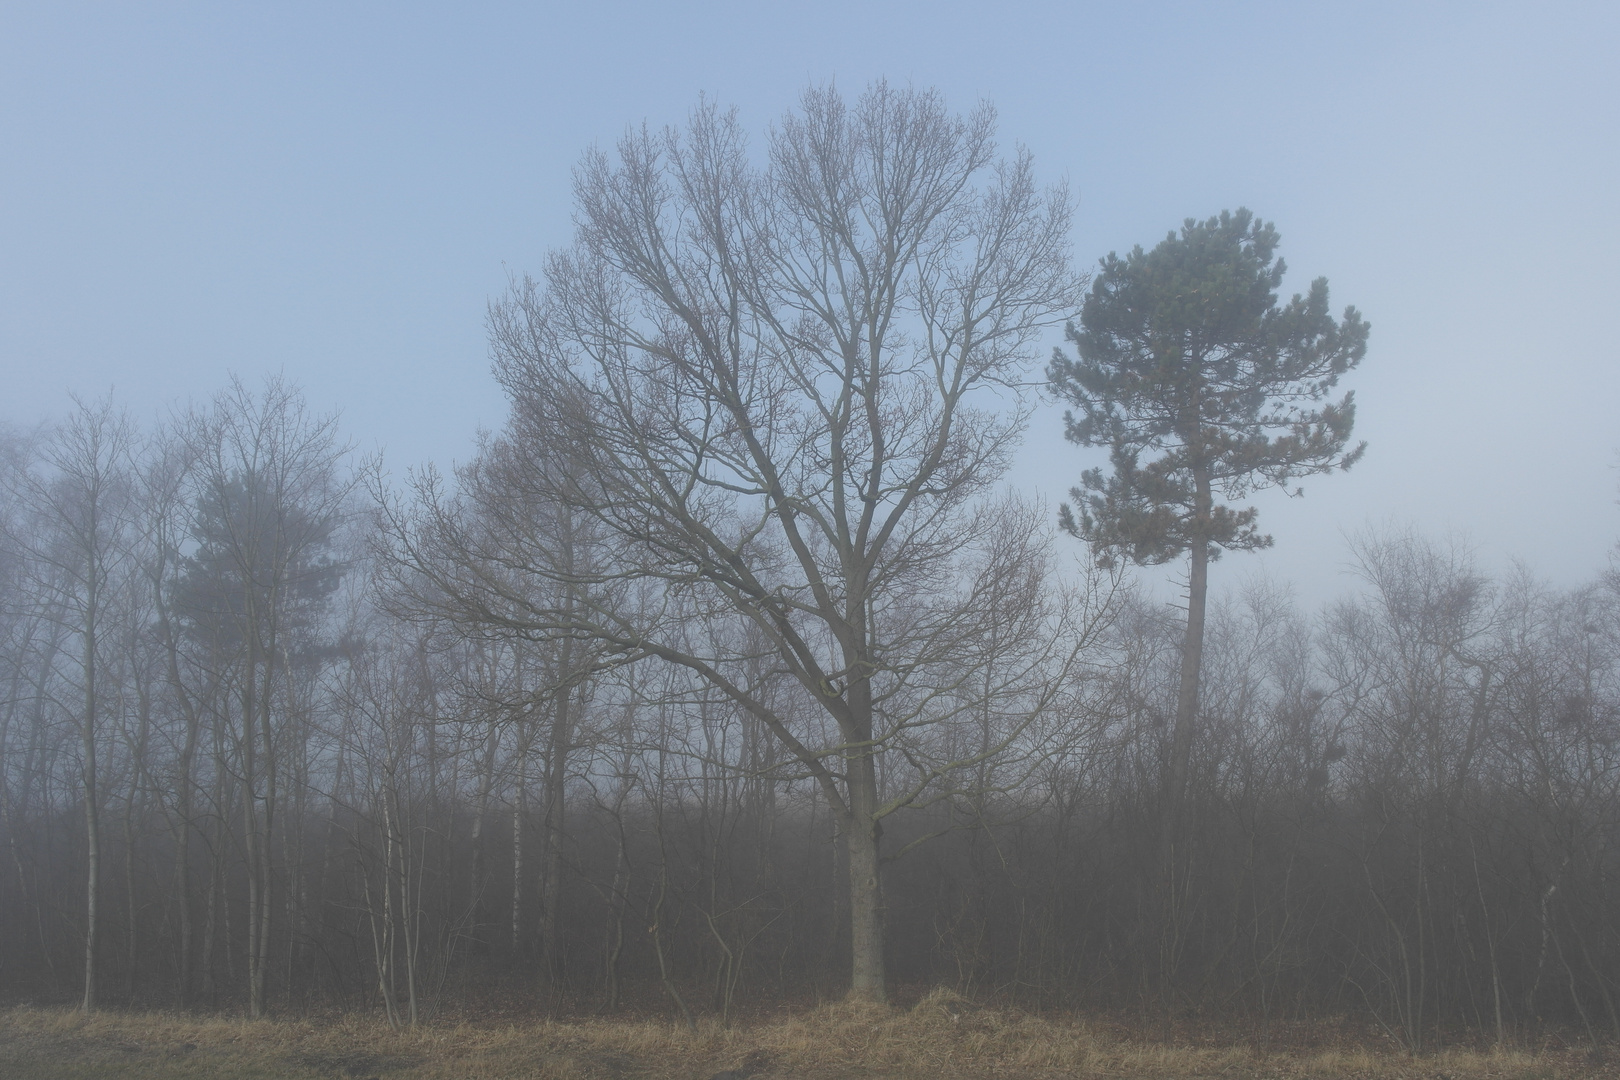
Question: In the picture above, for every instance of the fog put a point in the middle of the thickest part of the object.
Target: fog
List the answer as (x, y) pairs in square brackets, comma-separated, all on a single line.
[(189, 192), (534, 504)]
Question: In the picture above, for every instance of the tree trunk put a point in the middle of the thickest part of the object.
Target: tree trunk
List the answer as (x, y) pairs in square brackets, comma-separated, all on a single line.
[(257, 825), (92, 816), (182, 858), (267, 865), (1192, 658), (131, 904), (476, 887), (861, 836), (132, 800), (552, 834), (250, 836), (1173, 846), (92, 825), (185, 800), (517, 861)]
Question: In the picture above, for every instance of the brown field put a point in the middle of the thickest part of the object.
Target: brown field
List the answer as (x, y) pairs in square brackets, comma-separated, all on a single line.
[(940, 1038)]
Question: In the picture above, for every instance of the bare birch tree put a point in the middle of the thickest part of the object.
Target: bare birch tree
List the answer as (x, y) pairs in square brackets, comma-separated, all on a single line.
[(81, 499)]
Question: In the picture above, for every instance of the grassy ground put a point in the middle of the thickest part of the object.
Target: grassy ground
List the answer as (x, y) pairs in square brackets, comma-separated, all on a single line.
[(941, 1038)]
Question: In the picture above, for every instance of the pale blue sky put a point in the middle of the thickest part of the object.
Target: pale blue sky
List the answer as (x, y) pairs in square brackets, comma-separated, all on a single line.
[(336, 190)]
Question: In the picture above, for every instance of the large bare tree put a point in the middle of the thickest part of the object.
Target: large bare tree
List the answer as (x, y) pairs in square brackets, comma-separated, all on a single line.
[(783, 392)]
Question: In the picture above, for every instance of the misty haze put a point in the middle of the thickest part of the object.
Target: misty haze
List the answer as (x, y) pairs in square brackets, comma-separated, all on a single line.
[(618, 545)]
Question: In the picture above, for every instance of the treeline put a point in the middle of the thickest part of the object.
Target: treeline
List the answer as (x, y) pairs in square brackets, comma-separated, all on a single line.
[(240, 767)]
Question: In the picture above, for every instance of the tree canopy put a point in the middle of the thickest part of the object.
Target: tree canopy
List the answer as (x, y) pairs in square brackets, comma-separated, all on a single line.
[(771, 392), (1183, 354)]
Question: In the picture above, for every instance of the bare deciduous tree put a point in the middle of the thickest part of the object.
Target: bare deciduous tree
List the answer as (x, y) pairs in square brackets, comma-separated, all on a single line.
[(783, 393), (269, 498), (82, 498)]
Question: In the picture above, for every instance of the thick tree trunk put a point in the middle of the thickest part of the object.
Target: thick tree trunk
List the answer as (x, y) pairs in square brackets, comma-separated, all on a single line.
[(1173, 848), (861, 838)]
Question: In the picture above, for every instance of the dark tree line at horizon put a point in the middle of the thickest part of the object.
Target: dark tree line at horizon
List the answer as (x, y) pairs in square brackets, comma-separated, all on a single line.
[(1403, 807), (729, 671)]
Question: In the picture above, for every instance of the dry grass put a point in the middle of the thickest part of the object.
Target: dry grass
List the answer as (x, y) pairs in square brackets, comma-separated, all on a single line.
[(941, 1038)]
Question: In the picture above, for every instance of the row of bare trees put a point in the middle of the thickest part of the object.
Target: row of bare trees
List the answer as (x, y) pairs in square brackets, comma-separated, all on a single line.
[(165, 635), (232, 776)]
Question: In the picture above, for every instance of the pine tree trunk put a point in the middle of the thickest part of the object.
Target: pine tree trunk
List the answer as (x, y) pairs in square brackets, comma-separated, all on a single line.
[(1192, 658), (1173, 847)]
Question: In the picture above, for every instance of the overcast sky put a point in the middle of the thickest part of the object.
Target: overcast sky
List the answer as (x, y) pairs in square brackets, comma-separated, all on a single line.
[(336, 190)]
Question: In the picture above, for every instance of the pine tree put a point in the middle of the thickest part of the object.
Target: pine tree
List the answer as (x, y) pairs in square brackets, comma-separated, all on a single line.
[(1184, 358)]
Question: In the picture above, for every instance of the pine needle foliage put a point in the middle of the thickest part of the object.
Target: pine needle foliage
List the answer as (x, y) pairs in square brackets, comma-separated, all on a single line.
[(1185, 358)]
